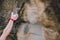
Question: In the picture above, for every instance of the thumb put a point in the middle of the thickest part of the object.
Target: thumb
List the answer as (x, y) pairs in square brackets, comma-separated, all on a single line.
[(11, 13)]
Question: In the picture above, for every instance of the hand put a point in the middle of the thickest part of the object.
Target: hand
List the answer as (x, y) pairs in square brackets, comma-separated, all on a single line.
[(14, 16)]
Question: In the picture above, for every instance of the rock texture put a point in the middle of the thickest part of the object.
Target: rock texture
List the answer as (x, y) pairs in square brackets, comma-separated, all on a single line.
[(37, 12), (48, 14)]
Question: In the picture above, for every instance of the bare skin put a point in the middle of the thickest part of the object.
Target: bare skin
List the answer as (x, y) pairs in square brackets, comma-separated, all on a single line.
[(9, 26)]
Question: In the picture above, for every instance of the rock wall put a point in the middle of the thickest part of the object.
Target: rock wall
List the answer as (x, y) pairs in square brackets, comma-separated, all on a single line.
[(51, 20)]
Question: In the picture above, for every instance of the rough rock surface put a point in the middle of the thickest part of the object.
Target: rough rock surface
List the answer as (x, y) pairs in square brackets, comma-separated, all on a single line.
[(7, 6)]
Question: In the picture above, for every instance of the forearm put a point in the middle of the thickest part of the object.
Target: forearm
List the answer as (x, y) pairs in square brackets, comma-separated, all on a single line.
[(9, 26), (7, 30)]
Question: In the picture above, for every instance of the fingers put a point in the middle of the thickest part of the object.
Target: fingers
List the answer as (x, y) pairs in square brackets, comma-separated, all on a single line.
[(14, 14)]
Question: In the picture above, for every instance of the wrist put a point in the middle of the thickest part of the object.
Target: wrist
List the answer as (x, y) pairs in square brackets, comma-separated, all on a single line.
[(11, 19)]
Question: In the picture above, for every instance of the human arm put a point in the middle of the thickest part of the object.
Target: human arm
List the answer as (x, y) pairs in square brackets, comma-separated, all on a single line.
[(9, 26)]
